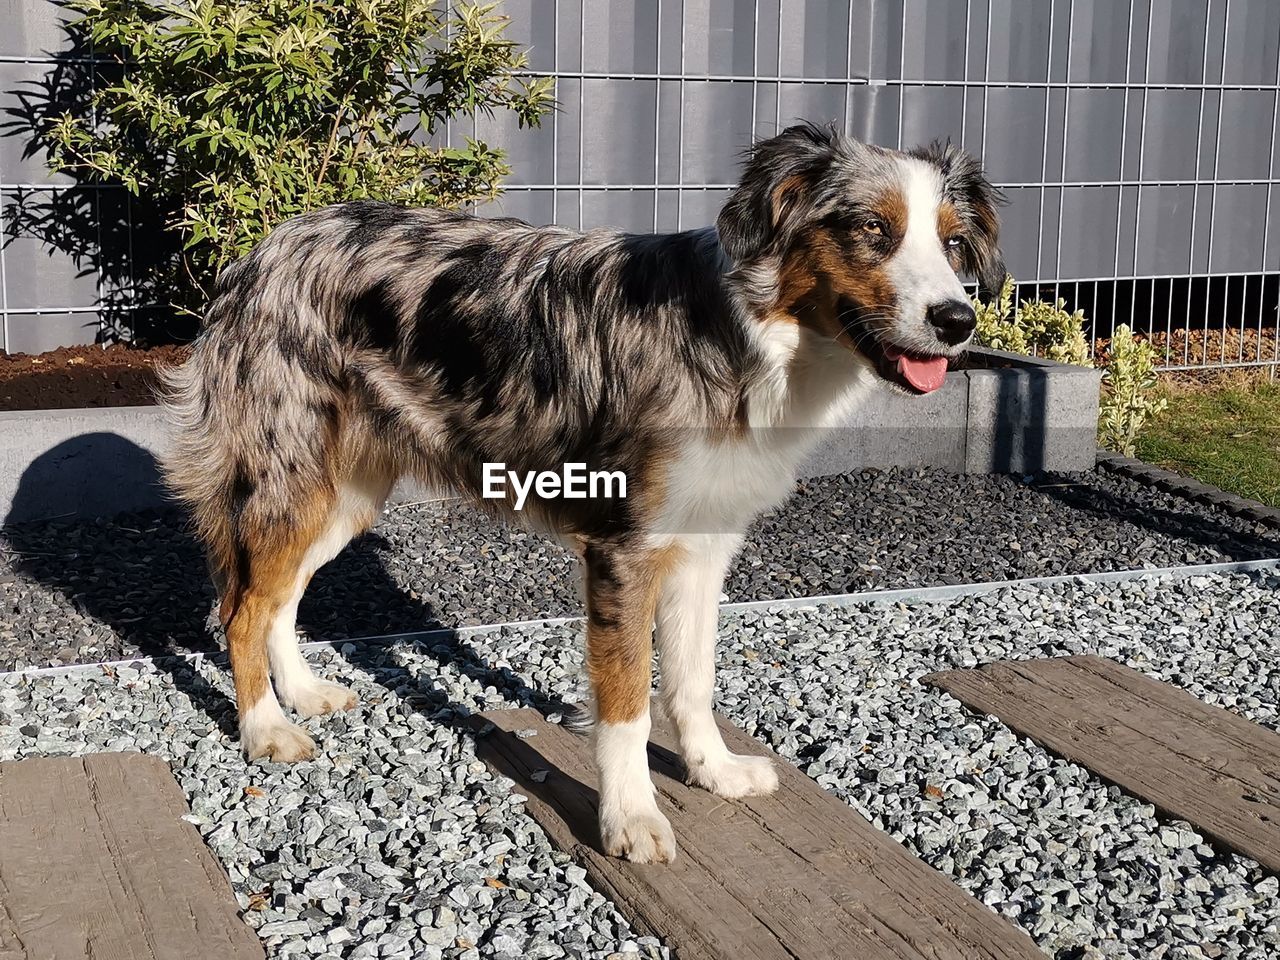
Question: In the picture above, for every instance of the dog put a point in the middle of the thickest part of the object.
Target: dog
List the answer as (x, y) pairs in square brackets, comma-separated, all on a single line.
[(366, 341)]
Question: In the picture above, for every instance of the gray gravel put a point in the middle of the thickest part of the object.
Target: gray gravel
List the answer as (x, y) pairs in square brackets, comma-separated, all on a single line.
[(98, 590), (396, 842)]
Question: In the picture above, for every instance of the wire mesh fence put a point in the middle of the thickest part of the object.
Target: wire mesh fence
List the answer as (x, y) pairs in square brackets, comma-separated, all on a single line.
[(1135, 139)]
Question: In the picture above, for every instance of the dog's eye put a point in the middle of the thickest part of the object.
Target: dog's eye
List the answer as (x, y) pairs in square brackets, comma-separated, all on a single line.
[(954, 243), (874, 225)]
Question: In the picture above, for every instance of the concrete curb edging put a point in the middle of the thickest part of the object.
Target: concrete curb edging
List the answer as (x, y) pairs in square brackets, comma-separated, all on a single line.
[(1194, 490), (1008, 413), (908, 594)]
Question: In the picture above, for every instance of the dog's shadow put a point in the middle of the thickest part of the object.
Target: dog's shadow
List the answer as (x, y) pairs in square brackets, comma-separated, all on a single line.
[(142, 576), (402, 612)]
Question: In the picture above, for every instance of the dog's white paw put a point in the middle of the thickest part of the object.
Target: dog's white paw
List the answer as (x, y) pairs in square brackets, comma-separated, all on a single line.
[(318, 697), (736, 776), (280, 742), (643, 836)]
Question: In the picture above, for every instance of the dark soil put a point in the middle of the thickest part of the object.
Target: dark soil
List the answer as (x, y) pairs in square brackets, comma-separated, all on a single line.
[(92, 376), (96, 376)]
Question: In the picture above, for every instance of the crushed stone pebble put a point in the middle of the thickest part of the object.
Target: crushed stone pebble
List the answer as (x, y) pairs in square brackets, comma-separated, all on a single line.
[(388, 844)]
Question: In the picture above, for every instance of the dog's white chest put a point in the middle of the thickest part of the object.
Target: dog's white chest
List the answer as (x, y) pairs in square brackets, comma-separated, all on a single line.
[(719, 488), (719, 484)]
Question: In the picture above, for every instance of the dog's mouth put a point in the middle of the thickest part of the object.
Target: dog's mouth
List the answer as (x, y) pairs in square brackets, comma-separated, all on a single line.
[(918, 373)]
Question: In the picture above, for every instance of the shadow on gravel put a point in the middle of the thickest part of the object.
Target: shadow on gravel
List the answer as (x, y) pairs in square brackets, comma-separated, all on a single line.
[(147, 584), (100, 571), (120, 576), (318, 611), (1236, 544)]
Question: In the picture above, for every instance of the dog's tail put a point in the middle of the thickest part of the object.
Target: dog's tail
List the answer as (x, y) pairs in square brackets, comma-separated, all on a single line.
[(196, 469), (254, 431)]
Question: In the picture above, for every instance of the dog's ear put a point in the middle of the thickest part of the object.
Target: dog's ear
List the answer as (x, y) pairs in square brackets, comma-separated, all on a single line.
[(977, 202), (777, 177)]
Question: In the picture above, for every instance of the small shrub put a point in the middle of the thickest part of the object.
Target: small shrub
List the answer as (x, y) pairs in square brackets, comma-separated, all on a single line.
[(1055, 333), (233, 115), (1037, 328), (996, 326), (1128, 383)]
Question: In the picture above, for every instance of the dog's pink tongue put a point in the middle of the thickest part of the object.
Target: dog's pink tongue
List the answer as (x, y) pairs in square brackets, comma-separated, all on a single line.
[(926, 374)]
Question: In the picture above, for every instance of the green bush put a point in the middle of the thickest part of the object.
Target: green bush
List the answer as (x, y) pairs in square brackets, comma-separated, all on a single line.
[(1037, 328), (233, 115), (1129, 383)]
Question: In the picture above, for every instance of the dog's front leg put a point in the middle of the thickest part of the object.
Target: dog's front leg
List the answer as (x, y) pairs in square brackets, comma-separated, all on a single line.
[(622, 585), (688, 611)]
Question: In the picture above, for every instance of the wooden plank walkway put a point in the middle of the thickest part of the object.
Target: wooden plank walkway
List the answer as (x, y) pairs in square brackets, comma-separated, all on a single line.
[(798, 875), (96, 862), (1200, 763)]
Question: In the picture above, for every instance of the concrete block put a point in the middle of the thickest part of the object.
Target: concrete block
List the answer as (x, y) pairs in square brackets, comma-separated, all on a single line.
[(91, 462), (1009, 414), (892, 429), (1032, 417)]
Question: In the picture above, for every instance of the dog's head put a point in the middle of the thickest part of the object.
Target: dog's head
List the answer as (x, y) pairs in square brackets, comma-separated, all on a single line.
[(864, 245)]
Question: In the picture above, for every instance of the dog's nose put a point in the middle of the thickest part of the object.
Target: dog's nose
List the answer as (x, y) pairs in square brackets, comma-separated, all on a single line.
[(953, 319)]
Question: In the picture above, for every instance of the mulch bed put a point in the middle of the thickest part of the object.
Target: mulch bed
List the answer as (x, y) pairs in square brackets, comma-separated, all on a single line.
[(1207, 347), (124, 376), (86, 376)]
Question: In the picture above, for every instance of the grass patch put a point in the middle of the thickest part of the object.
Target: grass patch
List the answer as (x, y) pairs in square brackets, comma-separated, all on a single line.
[(1225, 433)]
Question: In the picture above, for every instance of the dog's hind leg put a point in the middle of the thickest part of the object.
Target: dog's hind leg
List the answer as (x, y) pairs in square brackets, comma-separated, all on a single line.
[(621, 592), (271, 557), (688, 611), (358, 502)]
